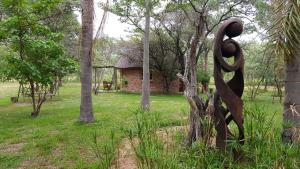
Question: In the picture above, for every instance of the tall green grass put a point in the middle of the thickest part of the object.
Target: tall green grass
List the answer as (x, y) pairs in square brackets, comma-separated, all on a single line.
[(262, 149), (105, 153)]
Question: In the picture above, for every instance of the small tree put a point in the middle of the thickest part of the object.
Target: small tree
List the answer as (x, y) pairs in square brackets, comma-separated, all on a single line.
[(36, 57), (203, 78), (163, 59)]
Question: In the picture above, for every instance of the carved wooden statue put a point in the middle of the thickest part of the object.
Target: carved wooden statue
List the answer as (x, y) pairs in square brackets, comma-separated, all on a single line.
[(227, 99)]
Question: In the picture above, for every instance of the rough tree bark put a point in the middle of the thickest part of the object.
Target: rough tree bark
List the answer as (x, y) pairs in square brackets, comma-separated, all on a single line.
[(197, 105), (166, 84), (291, 115), (145, 101), (32, 94), (86, 109), (36, 104), (206, 60), (205, 66)]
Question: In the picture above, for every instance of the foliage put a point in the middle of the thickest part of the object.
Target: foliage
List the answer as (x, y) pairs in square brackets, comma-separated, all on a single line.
[(162, 57), (262, 68), (106, 53), (262, 149), (36, 55), (203, 76), (286, 16), (45, 61), (258, 68), (132, 11), (263, 13), (144, 129), (62, 19), (105, 153), (177, 20), (3, 64)]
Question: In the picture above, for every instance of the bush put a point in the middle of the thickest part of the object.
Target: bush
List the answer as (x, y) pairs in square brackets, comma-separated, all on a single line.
[(203, 77)]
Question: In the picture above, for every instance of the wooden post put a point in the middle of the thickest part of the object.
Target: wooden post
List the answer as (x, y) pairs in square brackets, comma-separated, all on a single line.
[(95, 81)]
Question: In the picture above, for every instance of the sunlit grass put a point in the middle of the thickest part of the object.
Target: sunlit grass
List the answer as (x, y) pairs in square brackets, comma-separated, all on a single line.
[(55, 138)]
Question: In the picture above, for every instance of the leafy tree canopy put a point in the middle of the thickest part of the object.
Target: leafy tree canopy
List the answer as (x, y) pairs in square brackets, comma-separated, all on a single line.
[(35, 51), (35, 56)]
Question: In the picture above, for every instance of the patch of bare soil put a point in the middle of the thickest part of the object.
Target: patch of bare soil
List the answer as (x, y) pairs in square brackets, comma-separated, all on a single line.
[(36, 163), (20, 104), (25, 164), (12, 148), (56, 152), (53, 132), (167, 133), (126, 157)]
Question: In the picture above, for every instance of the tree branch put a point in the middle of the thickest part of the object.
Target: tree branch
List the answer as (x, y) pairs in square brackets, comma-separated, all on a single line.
[(223, 17)]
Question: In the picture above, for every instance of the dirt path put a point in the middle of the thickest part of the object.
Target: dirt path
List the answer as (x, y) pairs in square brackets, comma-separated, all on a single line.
[(126, 156)]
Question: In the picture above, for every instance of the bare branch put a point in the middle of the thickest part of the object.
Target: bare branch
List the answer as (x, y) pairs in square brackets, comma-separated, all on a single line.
[(194, 7), (223, 17)]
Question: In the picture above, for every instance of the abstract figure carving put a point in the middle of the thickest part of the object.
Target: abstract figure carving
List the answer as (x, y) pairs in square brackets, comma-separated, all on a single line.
[(229, 92)]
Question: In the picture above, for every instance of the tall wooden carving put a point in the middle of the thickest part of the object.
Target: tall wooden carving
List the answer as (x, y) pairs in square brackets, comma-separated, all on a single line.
[(227, 100)]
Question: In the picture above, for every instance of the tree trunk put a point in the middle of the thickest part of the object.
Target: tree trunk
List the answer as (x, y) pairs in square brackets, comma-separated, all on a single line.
[(86, 107), (19, 91), (34, 112), (266, 85), (197, 106), (59, 81), (166, 85), (206, 60), (179, 53), (291, 115), (205, 87), (37, 104), (145, 102)]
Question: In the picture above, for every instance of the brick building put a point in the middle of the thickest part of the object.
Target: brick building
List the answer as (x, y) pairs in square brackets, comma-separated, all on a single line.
[(131, 71)]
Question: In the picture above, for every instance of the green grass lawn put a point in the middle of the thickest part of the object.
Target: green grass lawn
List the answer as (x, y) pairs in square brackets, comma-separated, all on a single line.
[(56, 139)]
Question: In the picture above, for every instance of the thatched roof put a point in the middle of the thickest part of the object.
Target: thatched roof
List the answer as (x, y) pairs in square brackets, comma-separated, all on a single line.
[(131, 56), (128, 62)]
